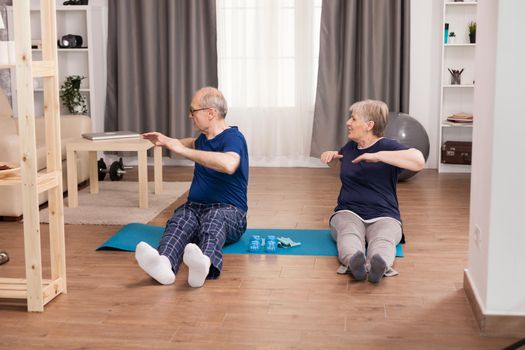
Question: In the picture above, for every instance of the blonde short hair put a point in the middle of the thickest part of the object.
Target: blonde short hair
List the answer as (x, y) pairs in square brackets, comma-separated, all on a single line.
[(372, 110)]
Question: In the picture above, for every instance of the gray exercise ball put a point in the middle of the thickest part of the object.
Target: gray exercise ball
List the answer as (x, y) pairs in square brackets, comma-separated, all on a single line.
[(409, 132)]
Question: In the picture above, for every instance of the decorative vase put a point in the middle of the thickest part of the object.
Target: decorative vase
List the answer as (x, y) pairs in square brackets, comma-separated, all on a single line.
[(77, 109), (472, 37), (455, 76)]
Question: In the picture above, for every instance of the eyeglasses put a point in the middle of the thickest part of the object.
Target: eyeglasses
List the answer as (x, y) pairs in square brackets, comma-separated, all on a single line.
[(192, 110)]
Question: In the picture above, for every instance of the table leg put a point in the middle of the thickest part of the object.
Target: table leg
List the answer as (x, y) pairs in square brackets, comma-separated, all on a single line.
[(72, 190), (143, 179), (93, 172), (157, 168)]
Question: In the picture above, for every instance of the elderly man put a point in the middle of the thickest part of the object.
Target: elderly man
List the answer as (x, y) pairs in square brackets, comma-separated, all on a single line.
[(215, 213)]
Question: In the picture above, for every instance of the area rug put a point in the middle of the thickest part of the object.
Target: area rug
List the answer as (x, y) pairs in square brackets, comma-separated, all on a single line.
[(313, 242), (117, 202)]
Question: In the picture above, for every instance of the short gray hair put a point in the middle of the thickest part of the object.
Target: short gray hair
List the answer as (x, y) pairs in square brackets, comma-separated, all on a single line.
[(372, 110), (213, 98)]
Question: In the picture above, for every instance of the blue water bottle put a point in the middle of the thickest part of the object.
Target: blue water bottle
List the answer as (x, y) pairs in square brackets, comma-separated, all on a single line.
[(446, 33), (271, 244), (254, 244)]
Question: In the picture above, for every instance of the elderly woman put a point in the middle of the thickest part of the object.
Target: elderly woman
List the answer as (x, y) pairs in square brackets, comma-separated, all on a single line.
[(366, 223)]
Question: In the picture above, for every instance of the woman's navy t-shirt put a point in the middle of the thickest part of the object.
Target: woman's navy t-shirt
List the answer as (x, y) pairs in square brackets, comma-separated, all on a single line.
[(369, 189), (210, 186)]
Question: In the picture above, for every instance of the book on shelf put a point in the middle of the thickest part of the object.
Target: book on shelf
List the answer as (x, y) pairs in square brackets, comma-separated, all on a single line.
[(461, 118)]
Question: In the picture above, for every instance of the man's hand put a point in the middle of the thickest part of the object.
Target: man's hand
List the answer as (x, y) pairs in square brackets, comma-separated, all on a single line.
[(329, 156), (157, 138), (367, 157)]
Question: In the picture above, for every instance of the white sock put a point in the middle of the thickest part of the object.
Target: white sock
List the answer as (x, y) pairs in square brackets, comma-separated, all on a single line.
[(156, 265), (198, 265)]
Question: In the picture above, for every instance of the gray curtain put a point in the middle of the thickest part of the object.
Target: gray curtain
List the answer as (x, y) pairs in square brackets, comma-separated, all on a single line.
[(364, 54), (159, 53)]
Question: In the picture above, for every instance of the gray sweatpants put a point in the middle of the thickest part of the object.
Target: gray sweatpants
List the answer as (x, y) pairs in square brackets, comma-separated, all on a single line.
[(351, 234)]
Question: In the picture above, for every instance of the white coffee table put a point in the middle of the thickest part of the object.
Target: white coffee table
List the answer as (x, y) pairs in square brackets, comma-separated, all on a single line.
[(141, 146)]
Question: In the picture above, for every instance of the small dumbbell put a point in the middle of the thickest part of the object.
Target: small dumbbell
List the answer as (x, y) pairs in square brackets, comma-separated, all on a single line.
[(116, 170), (102, 169)]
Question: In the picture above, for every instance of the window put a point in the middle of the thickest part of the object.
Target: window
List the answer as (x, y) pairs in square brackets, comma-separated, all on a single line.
[(268, 56), (268, 51)]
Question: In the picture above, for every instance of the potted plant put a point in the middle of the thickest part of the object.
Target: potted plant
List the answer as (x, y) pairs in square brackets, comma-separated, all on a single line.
[(71, 97), (472, 32), (452, 38)]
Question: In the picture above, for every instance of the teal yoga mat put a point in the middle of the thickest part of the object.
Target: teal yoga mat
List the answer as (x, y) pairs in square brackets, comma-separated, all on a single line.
[(313, 242)]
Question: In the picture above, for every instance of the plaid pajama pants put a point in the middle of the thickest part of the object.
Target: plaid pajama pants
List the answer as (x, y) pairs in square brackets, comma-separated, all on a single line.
[(210, 226)]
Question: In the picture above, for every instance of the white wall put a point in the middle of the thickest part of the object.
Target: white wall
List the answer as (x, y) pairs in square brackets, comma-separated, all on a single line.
[(496, 250), (506, 285), (103, 3), (425, 66), (480, 190), (99, 32)]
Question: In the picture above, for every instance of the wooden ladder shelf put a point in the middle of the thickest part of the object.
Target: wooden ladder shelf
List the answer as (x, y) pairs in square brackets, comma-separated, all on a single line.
[(34, 288)]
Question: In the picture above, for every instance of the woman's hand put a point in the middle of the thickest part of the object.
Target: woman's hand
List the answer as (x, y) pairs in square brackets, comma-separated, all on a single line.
[(329, 156), (367, 157), (410, 159)]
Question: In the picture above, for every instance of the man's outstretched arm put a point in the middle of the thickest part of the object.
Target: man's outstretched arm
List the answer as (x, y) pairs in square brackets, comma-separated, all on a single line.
[(162, 140), (224, 162)]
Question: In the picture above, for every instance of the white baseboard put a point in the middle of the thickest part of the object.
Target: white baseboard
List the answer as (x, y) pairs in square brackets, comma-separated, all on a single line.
[(492, 324)]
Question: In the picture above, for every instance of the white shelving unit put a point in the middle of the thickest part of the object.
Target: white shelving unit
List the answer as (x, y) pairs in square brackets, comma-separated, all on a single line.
[(456, 98), (76, 20)]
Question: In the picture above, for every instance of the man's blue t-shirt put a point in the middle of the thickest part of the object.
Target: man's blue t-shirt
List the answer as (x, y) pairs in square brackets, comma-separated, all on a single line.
[(369, 189), (210, 186)]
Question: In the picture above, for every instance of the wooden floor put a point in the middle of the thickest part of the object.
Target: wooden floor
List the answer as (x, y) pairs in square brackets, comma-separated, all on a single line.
[(265, 302)]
